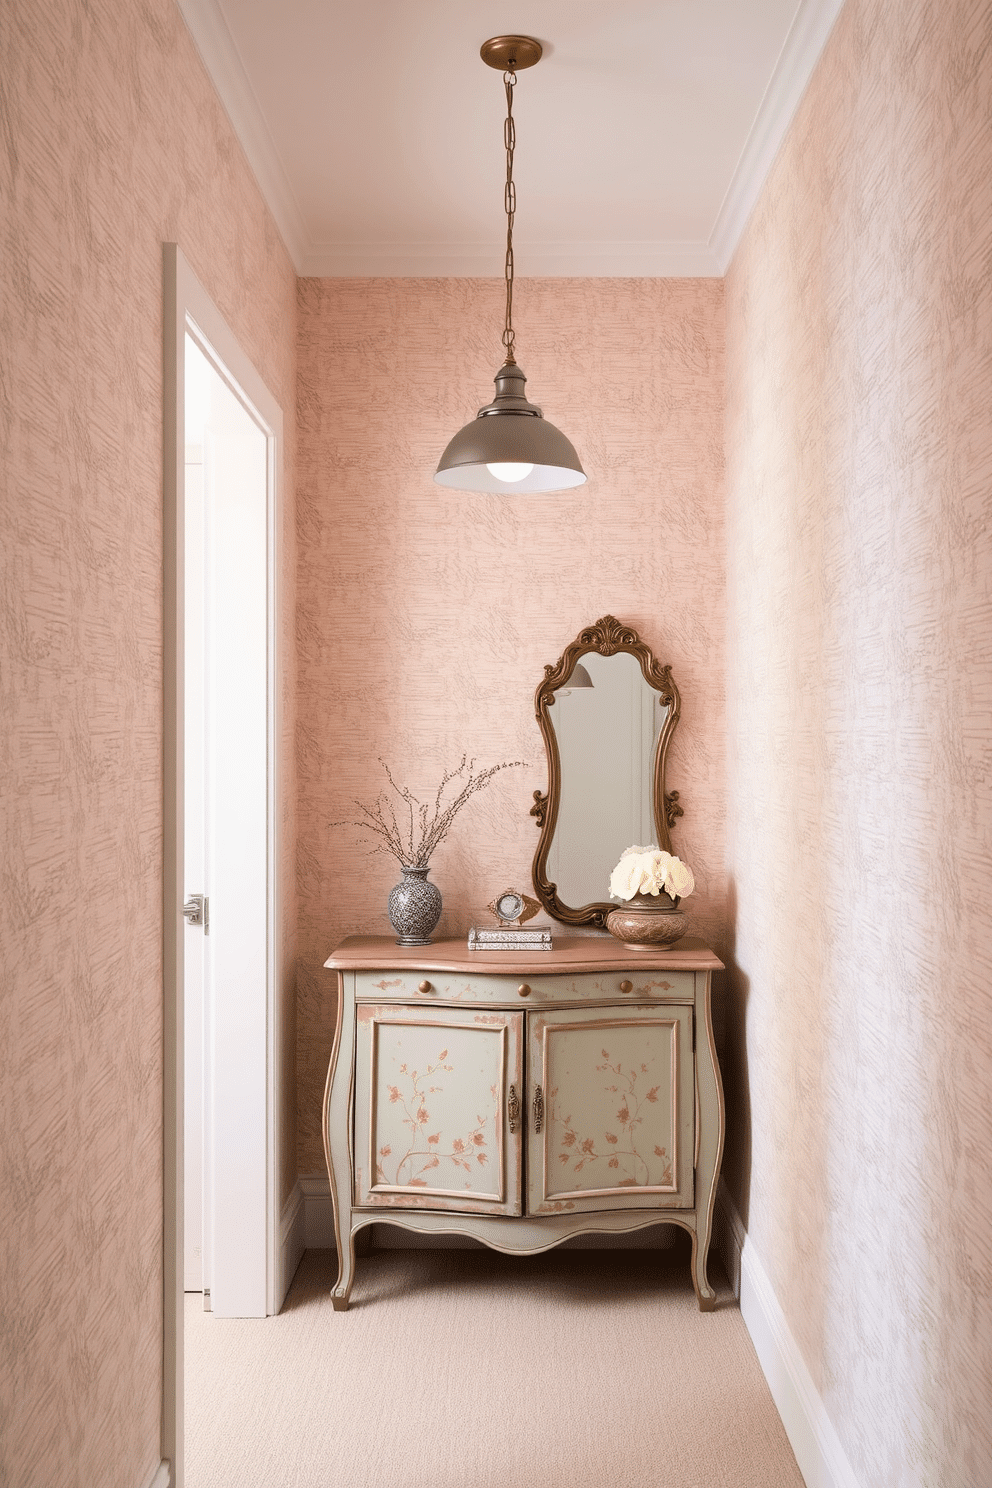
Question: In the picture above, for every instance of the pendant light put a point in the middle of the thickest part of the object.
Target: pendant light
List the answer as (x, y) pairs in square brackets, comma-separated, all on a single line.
[(509, 447)]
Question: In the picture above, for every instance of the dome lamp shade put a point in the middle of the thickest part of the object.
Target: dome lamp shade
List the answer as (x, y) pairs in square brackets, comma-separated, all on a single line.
[(509, 448)]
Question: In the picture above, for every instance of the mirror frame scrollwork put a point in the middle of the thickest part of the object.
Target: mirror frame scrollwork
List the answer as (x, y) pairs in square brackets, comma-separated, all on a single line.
[(605, 638)]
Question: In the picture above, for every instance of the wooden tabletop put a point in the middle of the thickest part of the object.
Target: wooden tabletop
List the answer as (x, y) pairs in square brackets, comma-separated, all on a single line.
[(572, 953)]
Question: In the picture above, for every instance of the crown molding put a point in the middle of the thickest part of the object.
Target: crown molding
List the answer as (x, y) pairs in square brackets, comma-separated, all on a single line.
[(215, 44), (535, 260), (803, 47), (814, 20)]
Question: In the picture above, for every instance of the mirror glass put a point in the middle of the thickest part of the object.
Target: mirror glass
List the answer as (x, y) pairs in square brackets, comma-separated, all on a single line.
[(607, 711), (607, 735)]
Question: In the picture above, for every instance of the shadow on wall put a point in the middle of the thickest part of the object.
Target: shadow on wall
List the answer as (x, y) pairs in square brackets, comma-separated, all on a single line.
[(734, 1068)]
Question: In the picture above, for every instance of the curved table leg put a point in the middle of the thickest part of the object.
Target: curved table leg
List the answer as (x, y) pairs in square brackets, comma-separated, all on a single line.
[(705, 1295), (710, 1121), (337, 1150), (346, 1273)]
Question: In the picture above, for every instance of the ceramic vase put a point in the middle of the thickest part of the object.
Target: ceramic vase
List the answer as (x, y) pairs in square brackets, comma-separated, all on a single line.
[(648, 922), (414, 907)]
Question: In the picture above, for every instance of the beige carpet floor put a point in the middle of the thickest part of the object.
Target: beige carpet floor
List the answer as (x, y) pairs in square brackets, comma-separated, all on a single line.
[(469, 1369)]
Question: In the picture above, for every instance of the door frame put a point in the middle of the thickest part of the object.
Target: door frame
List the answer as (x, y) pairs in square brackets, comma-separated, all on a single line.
[(186, 302)]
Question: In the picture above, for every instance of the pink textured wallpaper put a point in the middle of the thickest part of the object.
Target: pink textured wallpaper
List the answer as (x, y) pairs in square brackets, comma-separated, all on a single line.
[(113, 142), (859, 335), (828, 622), (426, 616)]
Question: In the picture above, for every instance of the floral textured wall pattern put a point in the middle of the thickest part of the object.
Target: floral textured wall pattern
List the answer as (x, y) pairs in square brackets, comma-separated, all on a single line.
[(859, 329), (114, 142)]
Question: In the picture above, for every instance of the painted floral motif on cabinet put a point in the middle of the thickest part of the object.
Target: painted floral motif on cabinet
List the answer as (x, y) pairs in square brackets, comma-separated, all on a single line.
[(425, 1150), (431, 1090), (619, 1146), (613, 1102)]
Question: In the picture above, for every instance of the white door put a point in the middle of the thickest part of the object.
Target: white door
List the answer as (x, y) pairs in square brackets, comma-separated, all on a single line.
[(194, 854), (227, 952)]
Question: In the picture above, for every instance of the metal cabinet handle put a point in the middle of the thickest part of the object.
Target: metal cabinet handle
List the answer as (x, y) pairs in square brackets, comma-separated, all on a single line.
[(626, 986), (538, 1109), (523, 990), (424, 987), (512, 1109)]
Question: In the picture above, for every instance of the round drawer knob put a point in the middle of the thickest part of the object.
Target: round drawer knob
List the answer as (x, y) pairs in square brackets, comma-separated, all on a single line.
[(626, 986), (523, 990), (424, 987)]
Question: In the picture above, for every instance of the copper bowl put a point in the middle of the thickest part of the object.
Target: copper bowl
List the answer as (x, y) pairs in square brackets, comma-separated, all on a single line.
[(648, 922)]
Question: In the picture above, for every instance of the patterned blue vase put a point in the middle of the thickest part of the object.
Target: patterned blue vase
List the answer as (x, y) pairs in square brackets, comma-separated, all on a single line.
[(414, 907)]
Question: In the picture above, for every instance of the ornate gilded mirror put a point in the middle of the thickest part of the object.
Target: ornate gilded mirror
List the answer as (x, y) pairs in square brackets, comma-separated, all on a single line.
[(607, 711)]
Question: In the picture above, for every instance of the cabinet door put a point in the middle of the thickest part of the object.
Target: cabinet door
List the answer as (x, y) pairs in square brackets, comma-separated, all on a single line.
[(433, 1108), (616, 1128)]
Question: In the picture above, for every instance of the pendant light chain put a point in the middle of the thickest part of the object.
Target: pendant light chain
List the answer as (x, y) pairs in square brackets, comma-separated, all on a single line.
[(509, 448), (510, 203)]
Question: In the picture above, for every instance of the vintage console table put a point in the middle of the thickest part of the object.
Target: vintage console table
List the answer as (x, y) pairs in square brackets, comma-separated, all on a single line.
[(522, 1098)]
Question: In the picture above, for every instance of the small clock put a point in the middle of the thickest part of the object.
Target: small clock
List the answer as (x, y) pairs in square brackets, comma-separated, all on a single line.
[(511, 907)]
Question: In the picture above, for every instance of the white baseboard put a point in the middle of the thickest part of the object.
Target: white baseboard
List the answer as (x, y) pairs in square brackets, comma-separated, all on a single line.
[(318, 1230), (318, 1212), (291, 1243), (821, 1458), (160, 1476)]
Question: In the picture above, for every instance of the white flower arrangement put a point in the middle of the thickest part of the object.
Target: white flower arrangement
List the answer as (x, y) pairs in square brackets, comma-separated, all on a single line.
[(649, 870)]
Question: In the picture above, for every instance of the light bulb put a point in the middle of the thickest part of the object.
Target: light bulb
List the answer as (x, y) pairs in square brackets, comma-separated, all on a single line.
[(504, 470)]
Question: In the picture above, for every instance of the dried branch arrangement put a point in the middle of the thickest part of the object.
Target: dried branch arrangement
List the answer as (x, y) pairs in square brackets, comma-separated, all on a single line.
[(412, 831)]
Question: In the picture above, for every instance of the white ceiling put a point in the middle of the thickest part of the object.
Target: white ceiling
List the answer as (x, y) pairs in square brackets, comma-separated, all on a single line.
[(643, 135)]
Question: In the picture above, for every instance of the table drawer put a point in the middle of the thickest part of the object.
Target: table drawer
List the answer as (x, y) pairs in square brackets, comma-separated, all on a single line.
[(587, 987)]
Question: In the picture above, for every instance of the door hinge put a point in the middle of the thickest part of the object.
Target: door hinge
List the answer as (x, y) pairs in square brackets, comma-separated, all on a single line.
[(196, 910)]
